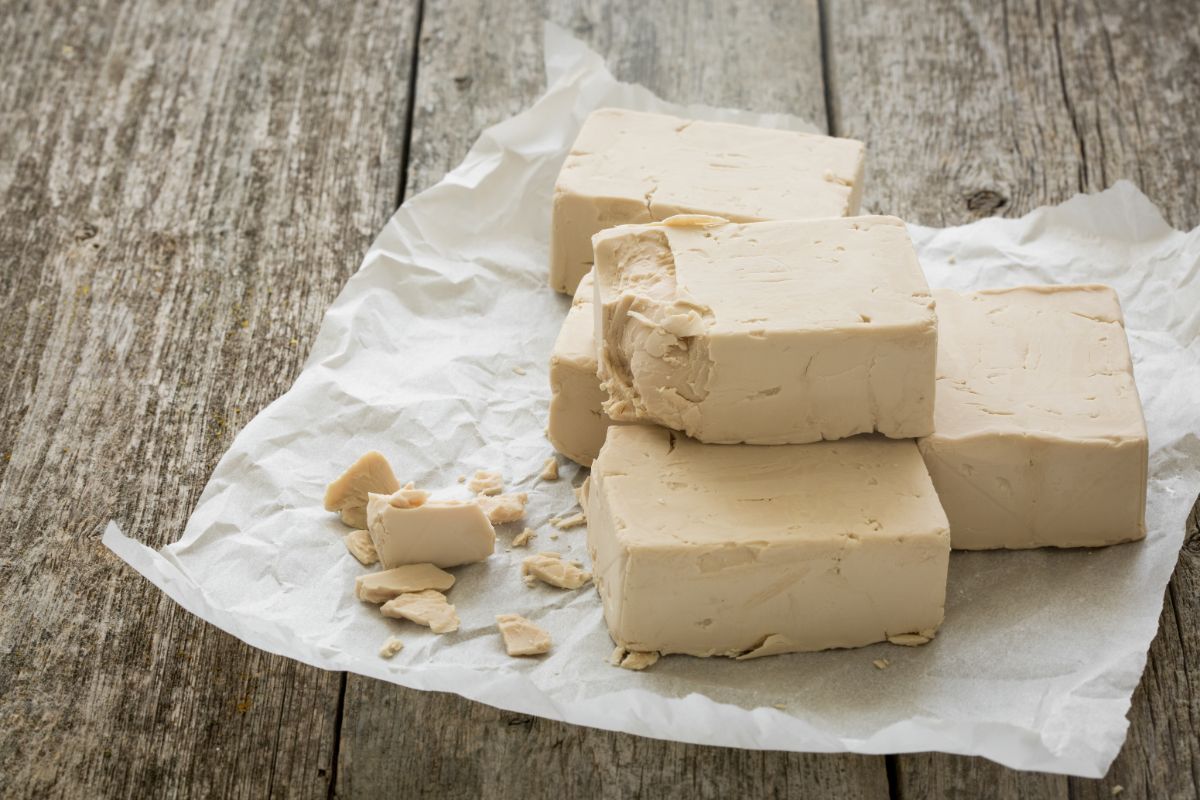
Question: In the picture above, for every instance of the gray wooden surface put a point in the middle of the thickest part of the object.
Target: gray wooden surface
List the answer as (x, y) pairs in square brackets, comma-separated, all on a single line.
[(186, 189)]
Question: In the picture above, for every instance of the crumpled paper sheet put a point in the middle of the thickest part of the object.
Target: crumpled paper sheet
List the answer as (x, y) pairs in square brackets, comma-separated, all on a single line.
[(420, 357)]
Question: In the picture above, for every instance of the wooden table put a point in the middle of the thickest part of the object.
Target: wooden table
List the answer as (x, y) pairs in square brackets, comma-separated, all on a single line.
[(185, 189)]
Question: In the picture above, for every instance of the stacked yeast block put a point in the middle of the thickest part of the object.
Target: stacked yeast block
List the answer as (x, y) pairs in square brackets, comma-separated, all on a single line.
[(766, 333), (1039, 438), (629, 166), (577, 420), (747, 551)]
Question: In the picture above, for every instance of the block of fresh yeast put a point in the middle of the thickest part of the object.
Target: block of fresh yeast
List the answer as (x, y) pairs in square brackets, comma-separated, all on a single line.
[(577, 420), (766, 332), (408, 528), (1039, 437), (743, 551), (632, 166)]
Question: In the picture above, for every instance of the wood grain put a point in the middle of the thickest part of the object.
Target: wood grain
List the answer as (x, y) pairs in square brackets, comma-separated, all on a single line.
[(479, 63), (973, 109), (184, 191), (467, 750)]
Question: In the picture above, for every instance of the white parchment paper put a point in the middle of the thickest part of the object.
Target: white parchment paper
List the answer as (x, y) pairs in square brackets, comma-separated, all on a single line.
[(436, 353)]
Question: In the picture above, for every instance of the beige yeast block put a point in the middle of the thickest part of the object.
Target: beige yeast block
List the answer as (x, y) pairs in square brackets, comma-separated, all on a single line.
[(766, 333), (1040, 439), (577, 419), (737, 550), (632, 166), (445, 533)]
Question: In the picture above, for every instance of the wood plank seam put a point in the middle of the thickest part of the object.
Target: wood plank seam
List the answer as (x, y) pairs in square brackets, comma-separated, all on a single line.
[(1069, 105), (339, 711), (401, 183), (831, 127), (413, 67)]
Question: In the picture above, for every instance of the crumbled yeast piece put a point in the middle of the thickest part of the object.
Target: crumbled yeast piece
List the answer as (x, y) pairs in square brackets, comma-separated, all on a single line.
[(486, 482), (391, 647), (552, 569), (566, 523), (639, 661), (427, 608), (550, 469), (772, 645), (503, 508), (361, 547), (522, 637), (632, 659), (912, 639), (522, 538), (881, 663), (379, 587), (348, 494), (408, 496)]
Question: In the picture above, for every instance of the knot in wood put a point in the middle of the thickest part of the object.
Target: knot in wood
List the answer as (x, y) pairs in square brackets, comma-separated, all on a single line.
[(1191, 541), (986, 201)]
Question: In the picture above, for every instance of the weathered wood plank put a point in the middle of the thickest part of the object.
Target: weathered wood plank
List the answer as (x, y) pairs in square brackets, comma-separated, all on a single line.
[(977, 109), (973, 109), (185, 188), (926, 776), (467, 750), (478, 64)]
